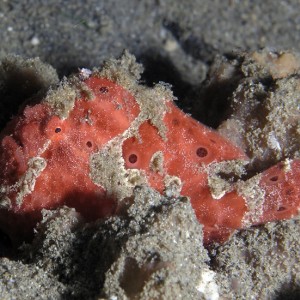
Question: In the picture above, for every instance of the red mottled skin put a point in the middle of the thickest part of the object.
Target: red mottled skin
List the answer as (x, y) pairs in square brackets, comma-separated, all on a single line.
[(66, 180)]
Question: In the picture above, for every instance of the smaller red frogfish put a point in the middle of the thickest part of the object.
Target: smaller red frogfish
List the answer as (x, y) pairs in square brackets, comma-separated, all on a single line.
[(97, 136)]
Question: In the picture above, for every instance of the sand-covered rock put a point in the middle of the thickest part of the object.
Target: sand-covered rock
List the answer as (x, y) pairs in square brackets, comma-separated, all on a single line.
[(254, 100), (261, 263), (154, 250)]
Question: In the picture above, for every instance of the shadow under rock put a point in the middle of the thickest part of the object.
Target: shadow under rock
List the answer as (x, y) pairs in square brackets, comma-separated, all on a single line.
[(5, 245), (67, 69), (209, 102), (85, 262), (17, 87), (287, 294), (213, 104), (22, 80), (159, 68)]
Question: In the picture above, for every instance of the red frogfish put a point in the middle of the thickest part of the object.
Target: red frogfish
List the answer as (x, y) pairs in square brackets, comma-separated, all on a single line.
[(100, 134)]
